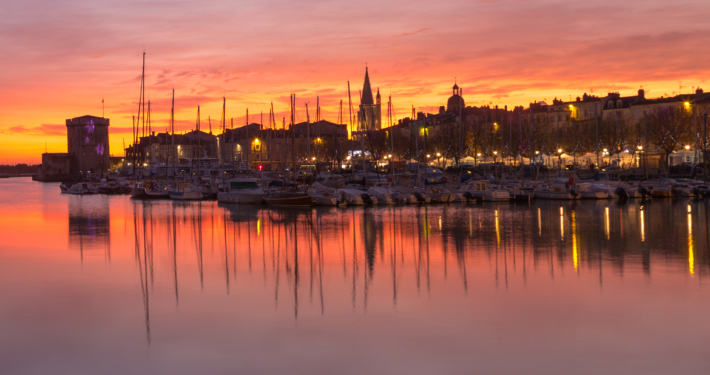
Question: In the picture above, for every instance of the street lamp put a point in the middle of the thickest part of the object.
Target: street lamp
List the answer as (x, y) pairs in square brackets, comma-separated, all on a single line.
[(687, 147)]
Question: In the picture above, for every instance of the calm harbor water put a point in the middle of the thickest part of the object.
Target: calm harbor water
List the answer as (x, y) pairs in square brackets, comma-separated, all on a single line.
[(99, 284)]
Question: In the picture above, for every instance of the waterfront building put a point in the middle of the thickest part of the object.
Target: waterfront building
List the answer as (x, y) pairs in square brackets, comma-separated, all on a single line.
[(161, 148), (87, 151)]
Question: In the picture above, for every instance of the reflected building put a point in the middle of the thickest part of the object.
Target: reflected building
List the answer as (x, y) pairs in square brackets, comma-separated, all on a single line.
[(89, 225)]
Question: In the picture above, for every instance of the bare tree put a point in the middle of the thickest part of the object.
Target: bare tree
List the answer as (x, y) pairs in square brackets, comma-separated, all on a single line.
[(666, 127)]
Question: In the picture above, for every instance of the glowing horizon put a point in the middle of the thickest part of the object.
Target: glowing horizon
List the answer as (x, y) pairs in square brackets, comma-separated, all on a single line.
[(67, 57)]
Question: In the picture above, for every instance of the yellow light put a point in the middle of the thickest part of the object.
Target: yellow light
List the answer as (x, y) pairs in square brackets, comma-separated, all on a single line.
[(438, 154), (605, 150), (256, 140), (497, 229), (575, 250), (318, 139), (348, 157), (427, 155), (537, 152), (562, 225), (559, 150), (479, 154), (495, 152), (314, 158), (691, 255), (390, 155), (539, 222), (687, 147), (640, 147), (686, 104), (145, 164), (571, 106)]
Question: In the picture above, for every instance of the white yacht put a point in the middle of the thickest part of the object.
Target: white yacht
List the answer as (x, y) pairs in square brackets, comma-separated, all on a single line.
[(556, 192), (480, 190), (80, 188), (241, 190), (356, 197), (185, 191), (382, 193)]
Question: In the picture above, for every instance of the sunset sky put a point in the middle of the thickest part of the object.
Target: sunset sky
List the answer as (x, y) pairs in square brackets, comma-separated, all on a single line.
[(60, 58)]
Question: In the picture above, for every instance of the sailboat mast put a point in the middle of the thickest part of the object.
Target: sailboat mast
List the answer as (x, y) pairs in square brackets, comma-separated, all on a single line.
[(308, 134), (172, 129), (340, 121), (149, 127), (293, 138), (350, 111)]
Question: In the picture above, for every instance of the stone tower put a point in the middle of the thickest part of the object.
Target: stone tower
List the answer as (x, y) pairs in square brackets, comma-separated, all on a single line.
[(87, 145), (370, 114)]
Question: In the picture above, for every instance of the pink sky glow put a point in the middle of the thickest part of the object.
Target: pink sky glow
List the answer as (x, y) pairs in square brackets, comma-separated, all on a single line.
[(60, 58)]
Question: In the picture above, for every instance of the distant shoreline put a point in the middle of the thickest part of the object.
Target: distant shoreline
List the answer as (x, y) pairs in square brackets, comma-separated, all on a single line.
[(17, 175)]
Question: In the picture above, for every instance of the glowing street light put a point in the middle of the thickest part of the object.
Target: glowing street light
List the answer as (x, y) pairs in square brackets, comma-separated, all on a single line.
[(537, 152), (438, 154), (640, 147), (427, 155), (687, 147), (559, 150)]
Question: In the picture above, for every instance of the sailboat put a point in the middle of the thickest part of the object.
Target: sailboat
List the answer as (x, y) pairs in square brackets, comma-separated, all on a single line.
[(291, 197)]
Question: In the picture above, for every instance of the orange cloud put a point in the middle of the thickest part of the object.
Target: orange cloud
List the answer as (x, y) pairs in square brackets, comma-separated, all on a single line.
[(68, 56)]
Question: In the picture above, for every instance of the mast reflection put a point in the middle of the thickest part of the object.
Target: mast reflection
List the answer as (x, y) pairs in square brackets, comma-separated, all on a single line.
[(359, 257)]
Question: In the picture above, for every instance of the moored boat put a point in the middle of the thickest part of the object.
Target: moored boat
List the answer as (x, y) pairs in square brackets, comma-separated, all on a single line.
[(241, 190)]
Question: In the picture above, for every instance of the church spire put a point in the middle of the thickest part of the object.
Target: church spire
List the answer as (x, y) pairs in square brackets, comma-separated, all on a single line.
[(367, 90)]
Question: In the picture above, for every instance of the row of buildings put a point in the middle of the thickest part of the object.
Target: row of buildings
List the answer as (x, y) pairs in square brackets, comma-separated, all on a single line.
[(271, 148)]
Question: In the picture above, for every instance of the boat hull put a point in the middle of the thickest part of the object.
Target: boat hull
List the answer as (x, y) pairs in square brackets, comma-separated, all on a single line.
[(232, 197), (186, 196), (288, 200)]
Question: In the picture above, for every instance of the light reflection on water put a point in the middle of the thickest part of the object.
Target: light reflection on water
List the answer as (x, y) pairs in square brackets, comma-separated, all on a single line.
[(106, 284)]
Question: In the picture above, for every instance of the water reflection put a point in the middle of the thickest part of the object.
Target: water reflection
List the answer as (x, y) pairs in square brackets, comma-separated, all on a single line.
[(246, 282), (89, 226)]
